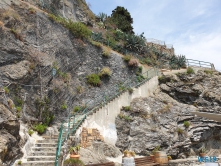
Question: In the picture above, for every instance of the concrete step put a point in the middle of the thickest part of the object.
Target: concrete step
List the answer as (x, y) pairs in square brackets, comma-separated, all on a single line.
[(38, 163), (40, 153), (43, 149), (45, 144), (40, 158), (47, 141)]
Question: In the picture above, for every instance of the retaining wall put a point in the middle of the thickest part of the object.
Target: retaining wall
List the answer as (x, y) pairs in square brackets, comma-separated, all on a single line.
[(104, 118)]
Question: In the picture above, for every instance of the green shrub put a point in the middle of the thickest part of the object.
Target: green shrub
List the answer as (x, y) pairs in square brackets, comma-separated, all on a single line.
[(130, 90), (40, 128), (127, 58), (76, 108), (105, 72), (64, 106), (6, 90), (186, 124), (157, 148), (127, 118), (18, 109), (140, 69), (127, 108), (78, 29), (30, 132), (94, 80), (190, 70), (19, 162), (179, 131)]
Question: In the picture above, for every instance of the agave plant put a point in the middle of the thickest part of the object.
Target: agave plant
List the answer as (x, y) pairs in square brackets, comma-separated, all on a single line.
[(102, 17), (97, 37)]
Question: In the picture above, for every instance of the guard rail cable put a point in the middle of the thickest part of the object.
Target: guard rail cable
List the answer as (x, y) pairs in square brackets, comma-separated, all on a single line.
[(99, 101)]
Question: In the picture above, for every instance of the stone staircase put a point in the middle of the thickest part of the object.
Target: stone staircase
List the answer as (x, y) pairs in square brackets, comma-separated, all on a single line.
[(44, 150)]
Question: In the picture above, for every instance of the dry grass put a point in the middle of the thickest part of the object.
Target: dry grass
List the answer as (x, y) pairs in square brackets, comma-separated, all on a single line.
[(96, 44), (133, 62), (17, 35), (105, 72), (11, 13), (106, 51), (1, 24)]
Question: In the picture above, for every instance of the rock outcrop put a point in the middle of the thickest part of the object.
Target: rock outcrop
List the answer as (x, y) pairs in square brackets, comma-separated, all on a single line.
[(9, 135), (159, 119)]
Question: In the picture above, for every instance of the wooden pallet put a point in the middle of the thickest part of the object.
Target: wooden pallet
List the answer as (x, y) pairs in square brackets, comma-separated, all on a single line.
[(145, 161)]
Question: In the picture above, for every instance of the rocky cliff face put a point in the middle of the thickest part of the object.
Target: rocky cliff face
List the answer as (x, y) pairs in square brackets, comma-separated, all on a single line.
[(31, 46), (159, 119), (9, 133)]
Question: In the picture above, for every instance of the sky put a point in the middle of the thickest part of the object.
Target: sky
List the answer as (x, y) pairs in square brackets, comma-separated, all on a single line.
[(193, 27)]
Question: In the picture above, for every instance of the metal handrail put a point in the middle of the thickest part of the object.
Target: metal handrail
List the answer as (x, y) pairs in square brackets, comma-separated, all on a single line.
[(96, 103), (192, 62)]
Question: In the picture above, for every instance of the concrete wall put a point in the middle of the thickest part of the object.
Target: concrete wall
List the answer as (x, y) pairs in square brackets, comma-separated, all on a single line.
[(104, 118)]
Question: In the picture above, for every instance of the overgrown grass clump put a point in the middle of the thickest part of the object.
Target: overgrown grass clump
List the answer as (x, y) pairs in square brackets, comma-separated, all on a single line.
[(78, 29), (106, 52), (40, 128), (208, 71), (186, 124), (94, 80), (190, 70), (105, 72)]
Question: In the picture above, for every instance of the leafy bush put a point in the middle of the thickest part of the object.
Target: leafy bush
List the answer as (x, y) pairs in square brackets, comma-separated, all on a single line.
[(94, 80), (40, 128), (133, 62), (190, 70), (105, 72), (186, 124), (106, 52), (78, 29)]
